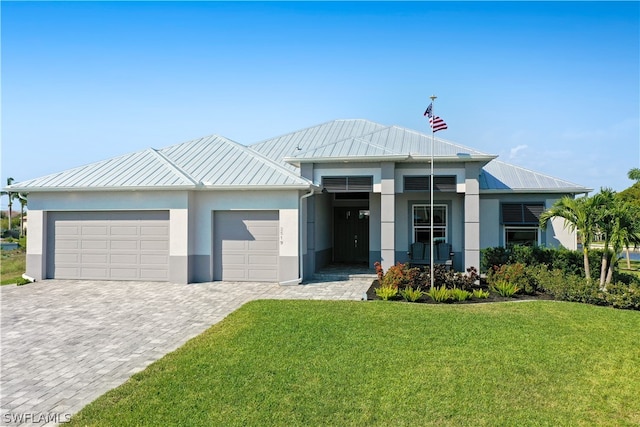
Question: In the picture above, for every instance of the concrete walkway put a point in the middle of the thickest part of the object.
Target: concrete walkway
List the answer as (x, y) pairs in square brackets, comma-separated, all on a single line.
[(65, 343)]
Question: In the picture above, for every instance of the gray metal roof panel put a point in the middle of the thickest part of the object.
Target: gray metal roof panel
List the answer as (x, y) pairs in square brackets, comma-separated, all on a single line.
[(140, 169), (497, 175), (210, 161)]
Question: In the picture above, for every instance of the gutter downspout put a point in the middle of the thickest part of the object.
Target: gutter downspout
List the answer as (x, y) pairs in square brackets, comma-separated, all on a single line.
[(300, 254)]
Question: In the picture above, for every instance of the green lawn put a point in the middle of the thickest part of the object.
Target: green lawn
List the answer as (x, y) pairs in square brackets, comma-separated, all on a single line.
[(12, 266), (383, 363)]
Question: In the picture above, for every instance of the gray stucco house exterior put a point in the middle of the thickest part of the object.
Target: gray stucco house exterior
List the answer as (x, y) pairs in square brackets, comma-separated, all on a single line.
[(345, 191)]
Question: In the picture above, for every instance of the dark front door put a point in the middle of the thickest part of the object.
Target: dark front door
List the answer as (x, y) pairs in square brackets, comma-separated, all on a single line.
[(350, 235)]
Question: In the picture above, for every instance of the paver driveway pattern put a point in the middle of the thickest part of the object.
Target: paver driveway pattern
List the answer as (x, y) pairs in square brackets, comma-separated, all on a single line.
[(64, 343)]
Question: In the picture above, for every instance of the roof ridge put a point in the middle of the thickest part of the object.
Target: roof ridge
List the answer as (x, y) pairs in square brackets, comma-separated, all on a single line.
[(168, 162), (265, 160), (359, 137), (446, 141), (311, 127)]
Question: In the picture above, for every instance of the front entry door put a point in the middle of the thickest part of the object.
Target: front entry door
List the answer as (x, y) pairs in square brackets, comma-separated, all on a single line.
[(350, 235)]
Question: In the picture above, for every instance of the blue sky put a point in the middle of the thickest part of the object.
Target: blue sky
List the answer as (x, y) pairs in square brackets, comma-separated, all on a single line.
[(550, 86)]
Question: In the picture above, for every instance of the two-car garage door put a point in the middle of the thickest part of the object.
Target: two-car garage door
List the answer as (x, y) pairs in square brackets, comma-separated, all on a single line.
[(134, 245), (108, 245)]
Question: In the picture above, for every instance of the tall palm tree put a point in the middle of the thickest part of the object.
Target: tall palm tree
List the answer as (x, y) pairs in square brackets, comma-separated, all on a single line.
[(606, 214), (625, 231), (578, 215), (12, 197), (634, 174)]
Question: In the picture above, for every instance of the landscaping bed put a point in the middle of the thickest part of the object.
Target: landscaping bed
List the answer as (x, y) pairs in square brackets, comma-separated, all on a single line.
[(493, 297)]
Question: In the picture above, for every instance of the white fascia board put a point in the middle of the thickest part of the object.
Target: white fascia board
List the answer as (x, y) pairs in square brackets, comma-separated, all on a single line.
[(539, 190), (73, 189), (449, 159), (348, 159)]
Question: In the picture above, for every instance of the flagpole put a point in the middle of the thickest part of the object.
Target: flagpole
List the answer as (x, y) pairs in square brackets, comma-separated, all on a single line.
[(431, 269)]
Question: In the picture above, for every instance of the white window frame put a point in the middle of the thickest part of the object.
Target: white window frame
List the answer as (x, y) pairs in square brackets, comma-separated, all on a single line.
[(436, 228), (518, 227)]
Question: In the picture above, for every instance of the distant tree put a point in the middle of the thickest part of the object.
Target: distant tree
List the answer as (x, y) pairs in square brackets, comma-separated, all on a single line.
[(12, 196), (625, 231), (634, 174)]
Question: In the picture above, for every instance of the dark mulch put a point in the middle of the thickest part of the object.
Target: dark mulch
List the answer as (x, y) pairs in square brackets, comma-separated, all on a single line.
[(493, 297)]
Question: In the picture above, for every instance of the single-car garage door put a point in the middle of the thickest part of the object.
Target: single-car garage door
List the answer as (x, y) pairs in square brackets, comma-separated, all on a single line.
[(246, 246), (108, 245)]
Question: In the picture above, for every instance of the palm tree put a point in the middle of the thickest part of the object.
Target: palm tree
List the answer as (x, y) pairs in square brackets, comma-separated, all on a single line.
[(634, 174), (578, 215), (12, 197), (625, 231), (606, 213)]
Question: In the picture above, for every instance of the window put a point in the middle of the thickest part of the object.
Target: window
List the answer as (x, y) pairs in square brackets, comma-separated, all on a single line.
[(520, 221), (421, 223), (335, 184), (422, 183), (522, 236)]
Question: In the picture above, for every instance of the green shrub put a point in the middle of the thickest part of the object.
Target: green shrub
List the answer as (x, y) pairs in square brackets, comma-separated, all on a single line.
[(460, 294), (569, 287), (386, 292), (440, 294), (480, 294), (621, 295), (411, 294), (504, 288), (513, 274)]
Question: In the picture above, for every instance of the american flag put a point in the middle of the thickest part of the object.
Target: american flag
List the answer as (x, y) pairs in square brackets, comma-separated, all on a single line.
[(435, 122)]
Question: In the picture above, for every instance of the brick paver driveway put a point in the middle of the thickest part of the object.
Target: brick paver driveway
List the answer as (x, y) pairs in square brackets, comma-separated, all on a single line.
[(64, 343)]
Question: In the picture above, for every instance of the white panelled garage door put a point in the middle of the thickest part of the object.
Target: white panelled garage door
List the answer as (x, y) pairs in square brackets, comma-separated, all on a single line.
[(246, 245), (108, 245)]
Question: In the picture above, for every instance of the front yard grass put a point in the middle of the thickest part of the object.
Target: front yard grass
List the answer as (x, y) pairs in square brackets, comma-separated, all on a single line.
[(12, 266), (380, 363)]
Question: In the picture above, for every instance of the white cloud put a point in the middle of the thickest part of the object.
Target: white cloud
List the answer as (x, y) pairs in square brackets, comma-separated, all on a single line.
[(515, 150)]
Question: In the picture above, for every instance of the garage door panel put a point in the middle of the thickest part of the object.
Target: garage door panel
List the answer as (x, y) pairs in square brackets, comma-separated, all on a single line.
[(108, 245), (68, 230), (246, 245), (130, 230), (263, 260), (89, 258), (67, 244), (121, 259), (154, 231), (124, 245), (94, 273), (94, 230), (154, 245), (94, 244), (259, 245), (68, 258), (123, 273)]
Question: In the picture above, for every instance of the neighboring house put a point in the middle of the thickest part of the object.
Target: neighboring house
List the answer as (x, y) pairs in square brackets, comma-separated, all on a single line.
[(346, 191)]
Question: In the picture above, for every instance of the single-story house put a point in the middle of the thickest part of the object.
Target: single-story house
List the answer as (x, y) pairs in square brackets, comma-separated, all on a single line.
[(345, 191)]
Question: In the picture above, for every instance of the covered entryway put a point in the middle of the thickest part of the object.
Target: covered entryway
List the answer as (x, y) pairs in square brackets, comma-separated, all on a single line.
[(108, 245), (351, 235), (246, 246)]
